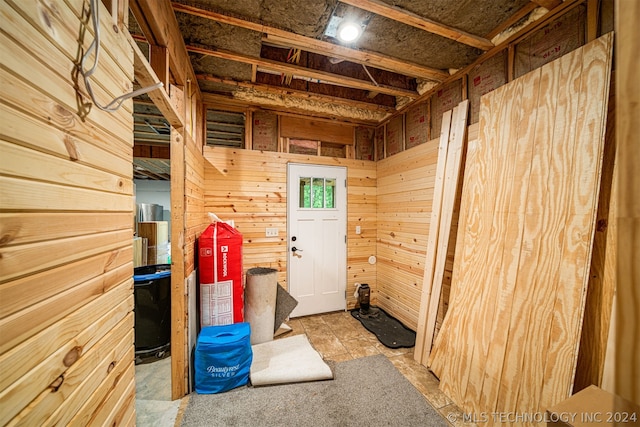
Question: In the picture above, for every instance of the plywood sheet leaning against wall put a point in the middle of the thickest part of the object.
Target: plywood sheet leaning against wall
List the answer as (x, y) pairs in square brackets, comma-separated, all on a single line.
[(602, 277), (510, 338), (250, 187), (66, 221)]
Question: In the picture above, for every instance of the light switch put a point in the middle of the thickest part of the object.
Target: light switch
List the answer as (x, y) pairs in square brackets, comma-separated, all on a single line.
[(358, 230), (272, 232)]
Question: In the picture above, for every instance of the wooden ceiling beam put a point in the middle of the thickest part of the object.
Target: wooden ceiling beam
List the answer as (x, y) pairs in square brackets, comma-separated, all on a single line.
[(298, 94), (513, 19), (404, 16), (316, 76), (285, 38), (229, 101), (160, 27), (147, 77)]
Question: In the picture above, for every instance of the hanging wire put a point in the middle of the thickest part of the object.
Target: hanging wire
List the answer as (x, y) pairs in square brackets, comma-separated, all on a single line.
[(95, 47)]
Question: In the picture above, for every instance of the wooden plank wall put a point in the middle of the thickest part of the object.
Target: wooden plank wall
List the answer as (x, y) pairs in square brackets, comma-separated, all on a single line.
[(528, 208), (405, 193), (250, 187), (196, 219), (66, 220), (627, 351), (403, 232)]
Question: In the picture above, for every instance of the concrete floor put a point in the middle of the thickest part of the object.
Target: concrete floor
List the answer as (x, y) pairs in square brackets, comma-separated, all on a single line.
[(336, 336)]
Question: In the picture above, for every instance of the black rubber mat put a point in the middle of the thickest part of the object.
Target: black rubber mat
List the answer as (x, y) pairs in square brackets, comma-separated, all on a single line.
[(388, 329)]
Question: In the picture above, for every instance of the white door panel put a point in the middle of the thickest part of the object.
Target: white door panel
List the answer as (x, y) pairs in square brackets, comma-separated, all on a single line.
[(317, 270)]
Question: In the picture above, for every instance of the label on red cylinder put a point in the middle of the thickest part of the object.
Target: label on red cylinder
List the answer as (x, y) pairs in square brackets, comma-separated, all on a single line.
[(221, 284)]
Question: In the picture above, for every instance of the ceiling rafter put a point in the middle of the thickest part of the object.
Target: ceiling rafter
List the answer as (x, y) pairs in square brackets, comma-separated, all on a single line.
[(316, 76), (404, 16), (298, 93), (160, 27), (285, 38), (521, 13), (226, 101)]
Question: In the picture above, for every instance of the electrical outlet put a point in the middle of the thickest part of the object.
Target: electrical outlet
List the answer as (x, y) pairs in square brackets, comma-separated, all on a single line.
[(358, 229), (272, 232)]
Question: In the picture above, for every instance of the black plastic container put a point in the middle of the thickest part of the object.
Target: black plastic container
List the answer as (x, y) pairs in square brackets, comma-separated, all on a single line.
[(364, 295), (152, 308)]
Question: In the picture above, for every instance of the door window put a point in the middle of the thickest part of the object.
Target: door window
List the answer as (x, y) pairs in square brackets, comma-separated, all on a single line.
[(317, 193)]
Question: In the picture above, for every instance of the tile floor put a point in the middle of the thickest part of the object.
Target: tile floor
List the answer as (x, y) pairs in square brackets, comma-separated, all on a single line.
[(336, 336)]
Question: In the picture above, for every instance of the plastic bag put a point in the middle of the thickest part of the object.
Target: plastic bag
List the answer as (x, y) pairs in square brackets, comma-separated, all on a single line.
[(223, 358)]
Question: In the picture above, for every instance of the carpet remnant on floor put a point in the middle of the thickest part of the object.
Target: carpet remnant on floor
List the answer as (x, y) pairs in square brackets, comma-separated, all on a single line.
[(365, 391), (387, 328), (287, 360)]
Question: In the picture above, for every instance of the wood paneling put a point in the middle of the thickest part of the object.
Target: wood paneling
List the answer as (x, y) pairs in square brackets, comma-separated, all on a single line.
[(527, 218), (448, 176), (405, 192), (250, 187), (627, 376), (66, 293)]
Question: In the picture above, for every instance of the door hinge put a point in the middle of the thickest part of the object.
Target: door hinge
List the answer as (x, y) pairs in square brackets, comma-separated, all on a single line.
[(345, 238), (345, 183)]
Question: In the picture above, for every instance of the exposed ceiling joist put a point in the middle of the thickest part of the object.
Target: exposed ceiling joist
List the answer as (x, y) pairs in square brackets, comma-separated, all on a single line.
[(147, 77), (303, 72), (283, 105), (410, 18), (159, 26), (287, 39), (524, 10), (298, 94)]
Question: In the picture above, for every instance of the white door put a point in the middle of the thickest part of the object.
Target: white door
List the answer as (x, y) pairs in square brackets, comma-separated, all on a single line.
[(317, 229)]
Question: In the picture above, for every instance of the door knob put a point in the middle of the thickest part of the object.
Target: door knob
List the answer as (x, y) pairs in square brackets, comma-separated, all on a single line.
[(294, 249)]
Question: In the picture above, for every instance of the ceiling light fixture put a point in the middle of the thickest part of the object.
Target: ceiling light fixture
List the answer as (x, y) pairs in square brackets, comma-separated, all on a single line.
[(349, 31)]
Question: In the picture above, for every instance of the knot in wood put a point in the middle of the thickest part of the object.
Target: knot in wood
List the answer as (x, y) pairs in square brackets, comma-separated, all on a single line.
[(72, 356), (57, 383)]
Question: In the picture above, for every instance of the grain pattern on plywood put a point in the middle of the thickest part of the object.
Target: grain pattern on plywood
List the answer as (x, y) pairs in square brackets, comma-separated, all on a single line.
[(473, 227), (524, 239), (527, 187), (546, 219), (580, 224)]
